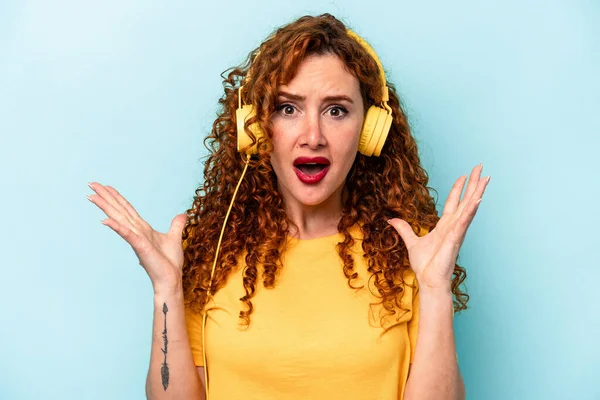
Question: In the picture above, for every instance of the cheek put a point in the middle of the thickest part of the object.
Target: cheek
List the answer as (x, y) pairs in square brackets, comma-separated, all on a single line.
[(285, 135), (280, 152), (280, 134), (277, 150), (347, 144), (349, 158)]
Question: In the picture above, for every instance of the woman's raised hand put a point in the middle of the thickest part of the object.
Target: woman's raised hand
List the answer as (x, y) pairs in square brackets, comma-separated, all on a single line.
[(160, 254), (433, 256)]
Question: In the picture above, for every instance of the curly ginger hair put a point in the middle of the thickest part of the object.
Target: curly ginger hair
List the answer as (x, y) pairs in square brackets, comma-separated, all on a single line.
[(377, 188)]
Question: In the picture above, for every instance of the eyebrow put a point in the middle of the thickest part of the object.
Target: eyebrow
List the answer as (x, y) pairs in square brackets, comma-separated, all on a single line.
[(292, 96)]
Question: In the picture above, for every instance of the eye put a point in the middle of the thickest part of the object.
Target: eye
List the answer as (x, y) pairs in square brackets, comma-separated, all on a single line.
[(338, 111), (286, 109)]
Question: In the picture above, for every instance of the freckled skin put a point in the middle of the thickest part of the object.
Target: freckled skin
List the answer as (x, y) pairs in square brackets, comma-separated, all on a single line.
[(317, 127)]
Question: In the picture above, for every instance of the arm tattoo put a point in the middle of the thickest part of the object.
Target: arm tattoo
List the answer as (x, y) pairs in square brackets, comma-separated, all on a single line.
[(164, 371)]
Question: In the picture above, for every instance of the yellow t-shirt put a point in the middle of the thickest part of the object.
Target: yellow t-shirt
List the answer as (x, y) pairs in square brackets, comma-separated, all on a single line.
[(311, 337)]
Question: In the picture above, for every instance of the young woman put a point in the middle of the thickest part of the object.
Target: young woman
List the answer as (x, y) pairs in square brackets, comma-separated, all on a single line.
[(334, 278)]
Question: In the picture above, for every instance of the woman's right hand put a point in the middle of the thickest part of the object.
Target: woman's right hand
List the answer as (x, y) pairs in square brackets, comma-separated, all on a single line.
[(160, 254)]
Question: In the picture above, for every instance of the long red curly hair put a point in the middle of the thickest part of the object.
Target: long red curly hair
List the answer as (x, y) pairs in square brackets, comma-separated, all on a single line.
[(377, 188)]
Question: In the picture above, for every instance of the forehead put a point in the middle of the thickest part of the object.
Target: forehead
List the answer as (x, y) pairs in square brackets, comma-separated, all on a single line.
[(323, 73)]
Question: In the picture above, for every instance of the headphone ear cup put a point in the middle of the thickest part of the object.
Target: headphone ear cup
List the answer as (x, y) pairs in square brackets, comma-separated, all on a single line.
[(385, 130), (366, 134), (244, 142), (375, 130)]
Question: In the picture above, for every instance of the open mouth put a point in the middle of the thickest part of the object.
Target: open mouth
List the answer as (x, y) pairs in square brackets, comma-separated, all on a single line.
[(311, 169)]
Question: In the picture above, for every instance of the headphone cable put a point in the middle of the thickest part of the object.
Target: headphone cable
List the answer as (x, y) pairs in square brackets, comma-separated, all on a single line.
[(208, 293)]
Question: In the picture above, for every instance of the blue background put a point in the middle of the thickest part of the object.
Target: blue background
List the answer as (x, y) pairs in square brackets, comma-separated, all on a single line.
[(123, 92)]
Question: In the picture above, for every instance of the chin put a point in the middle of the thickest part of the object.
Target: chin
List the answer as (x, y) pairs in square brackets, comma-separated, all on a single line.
[(310, 195), (313, 196), (311, 201)]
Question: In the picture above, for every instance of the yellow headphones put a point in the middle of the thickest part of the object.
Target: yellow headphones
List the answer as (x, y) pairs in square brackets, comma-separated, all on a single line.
[(375, 129)]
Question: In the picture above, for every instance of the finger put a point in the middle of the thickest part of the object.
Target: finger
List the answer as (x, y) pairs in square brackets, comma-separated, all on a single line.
[(454, 196), (177, 225), (126, 233), (109, 200), (466, 217), (110, 211), (471, 187), (404, 230), (125, 204)]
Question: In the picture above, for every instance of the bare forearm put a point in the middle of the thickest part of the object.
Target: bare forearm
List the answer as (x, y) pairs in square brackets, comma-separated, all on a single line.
[(172, 374), (434, 373)]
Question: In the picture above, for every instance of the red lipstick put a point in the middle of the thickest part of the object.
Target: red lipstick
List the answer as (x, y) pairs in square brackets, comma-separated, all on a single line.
[(311, 170)]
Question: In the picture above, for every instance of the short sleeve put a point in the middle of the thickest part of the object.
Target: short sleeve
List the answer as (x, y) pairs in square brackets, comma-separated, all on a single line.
[(193, 323), (413, 323)]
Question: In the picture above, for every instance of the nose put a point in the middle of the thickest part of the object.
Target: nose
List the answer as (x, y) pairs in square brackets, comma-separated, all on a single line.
[(312, 136)]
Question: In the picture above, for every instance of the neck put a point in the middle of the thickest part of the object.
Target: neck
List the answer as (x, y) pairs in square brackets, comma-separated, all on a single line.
[(314, 221)]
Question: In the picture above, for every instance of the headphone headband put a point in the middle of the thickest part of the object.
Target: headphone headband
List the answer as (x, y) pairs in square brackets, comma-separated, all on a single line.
[(366, 46), (369, 49)]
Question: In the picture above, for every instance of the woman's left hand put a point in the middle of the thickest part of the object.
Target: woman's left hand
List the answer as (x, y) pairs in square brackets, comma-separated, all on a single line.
[(432, 257)]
